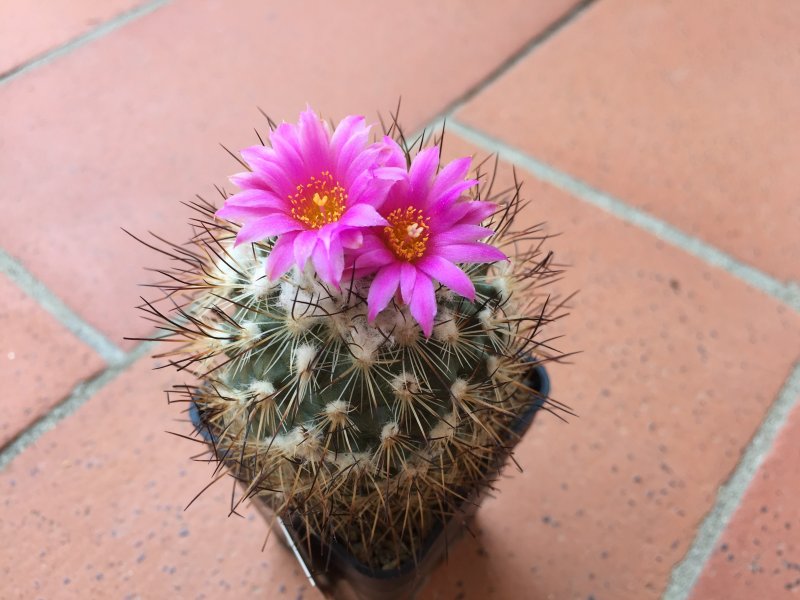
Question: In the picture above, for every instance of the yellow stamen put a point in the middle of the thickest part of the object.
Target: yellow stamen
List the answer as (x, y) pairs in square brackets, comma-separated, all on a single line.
[(319, 202), (407, 234)]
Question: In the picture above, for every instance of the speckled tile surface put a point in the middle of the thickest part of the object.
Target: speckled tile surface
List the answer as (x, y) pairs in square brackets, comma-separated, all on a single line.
[(40, 361), (758, 555), (685, 109), (95, 509)]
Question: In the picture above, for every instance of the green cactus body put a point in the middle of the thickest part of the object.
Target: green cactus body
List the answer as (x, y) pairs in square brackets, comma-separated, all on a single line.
[(366, 433)]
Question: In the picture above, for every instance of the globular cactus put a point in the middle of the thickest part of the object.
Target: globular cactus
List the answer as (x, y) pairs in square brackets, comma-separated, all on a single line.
[(364, 425)]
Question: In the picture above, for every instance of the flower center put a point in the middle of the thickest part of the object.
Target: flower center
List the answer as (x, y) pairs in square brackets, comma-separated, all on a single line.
[(407, 233), (319, 202)]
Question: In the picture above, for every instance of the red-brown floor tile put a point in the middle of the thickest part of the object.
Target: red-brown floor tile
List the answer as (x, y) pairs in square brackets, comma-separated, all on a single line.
[(95, 509), (758, 556), (122, 130), (685, 109), (40, 361), (680, 362), (32, 28)]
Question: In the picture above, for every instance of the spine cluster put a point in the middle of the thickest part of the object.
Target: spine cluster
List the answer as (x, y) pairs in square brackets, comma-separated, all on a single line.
[(366, 433)]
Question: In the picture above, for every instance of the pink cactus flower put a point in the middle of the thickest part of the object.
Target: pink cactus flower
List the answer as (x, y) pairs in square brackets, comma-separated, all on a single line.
[(430, 228), (313, 190)]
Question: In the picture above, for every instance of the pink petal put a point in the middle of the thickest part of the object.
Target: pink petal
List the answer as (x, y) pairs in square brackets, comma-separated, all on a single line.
[(314, 141), (304, 245), (277, 169), (369, 262), (466, 212), (443, 200), (349, 139), (451, 175), (270, 226), (422, 170), (287, 150), (257, 197), (322, 265), (423, 303), (382, 289), (351, 239), (459, 234), (280, 258), (327, 232), (390, 154), (448, 274), (408, 275), (463, 253), (362, 215)]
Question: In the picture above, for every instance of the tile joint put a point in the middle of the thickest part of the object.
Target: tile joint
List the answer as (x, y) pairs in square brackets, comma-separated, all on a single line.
[(786, 292), (64, 315), (73, 401), (686, 573), (70, 45), (516, 57)]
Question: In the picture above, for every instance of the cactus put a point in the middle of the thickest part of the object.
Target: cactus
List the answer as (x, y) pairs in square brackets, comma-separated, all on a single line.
[(363, 430)]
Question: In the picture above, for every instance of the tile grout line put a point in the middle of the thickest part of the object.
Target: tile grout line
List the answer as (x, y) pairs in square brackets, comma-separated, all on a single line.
[(686, 573), (67, 47), (786, 293), (64, 315), (515, 58), (72, 402)]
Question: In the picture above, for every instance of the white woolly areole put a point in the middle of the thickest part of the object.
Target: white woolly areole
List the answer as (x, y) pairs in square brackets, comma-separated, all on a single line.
[(299, 443), (233, 262), (364, 343), (406, 330), (492, 364), (459, 389), (353, 462), (262, 387), (446, 330), (300, 306), (445, 294), (250, 331), (390, 431), (260, 284), (445, 428), (404, 385), (303, 357), (486, 318), (336, 413)]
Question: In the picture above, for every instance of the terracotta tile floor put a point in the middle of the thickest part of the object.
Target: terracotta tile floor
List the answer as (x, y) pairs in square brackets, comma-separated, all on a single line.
[(658, 137)]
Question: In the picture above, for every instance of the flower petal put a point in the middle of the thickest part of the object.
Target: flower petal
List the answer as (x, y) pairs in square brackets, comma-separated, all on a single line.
[(351, 239), (269, 226), (304, 245), (382, 289), (321, 259), (475, 252), (349, 139), (460, 234), (451, 175), (362, 215), (314, 141), (423, 303), (408, 275), (447, 273), (279, 260), (423, 169)]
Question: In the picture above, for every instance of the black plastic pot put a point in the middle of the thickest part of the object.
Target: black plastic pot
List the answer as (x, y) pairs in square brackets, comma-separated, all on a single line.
[(340, 576)]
